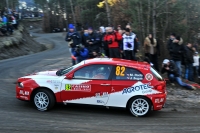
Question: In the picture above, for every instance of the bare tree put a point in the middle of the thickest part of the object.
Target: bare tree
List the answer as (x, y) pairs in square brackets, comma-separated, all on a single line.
[(72, 10), (108, 12)]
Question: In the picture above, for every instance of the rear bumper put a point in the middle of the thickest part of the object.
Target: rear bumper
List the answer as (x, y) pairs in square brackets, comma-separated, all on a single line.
[(158, 100)]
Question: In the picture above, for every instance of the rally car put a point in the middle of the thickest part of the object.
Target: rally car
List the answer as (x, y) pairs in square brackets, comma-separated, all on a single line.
[(101, 81)]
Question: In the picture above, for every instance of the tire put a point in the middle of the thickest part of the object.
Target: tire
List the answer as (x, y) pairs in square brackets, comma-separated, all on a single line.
[(142, 106), (43, 100)]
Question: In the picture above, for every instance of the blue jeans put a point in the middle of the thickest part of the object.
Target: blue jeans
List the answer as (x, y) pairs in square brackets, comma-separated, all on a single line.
[(189, 72), (179, 81), (71, 51), (178, 65)]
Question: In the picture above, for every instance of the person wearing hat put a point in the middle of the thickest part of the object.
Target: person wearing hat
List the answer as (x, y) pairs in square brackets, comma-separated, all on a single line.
[(188, 62), (169, 66), (73, 38), (129, 45), (177, 50)]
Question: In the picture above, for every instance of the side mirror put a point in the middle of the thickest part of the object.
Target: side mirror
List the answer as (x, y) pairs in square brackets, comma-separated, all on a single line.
[(70, 76)]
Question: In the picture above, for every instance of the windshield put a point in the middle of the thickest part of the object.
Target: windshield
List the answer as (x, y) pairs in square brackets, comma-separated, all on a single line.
[(156, 74), (66, 70)]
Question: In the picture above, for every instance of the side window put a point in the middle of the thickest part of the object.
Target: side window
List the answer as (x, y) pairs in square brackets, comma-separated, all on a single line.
[(93, 72), (126, 73)]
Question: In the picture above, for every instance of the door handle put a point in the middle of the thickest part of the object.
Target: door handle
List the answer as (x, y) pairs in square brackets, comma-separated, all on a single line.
[(105, 84)]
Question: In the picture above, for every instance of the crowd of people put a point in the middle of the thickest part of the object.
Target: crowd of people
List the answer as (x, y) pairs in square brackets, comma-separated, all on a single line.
[(9, 20), (124, 44)]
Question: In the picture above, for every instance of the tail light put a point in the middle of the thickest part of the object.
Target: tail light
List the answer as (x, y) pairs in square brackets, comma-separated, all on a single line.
[(161, 87)]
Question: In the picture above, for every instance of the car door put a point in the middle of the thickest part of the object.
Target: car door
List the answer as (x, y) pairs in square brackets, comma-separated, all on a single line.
[(123, 77), (89, 85)]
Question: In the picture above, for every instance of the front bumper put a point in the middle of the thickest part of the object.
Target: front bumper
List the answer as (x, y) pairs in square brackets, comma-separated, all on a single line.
[(23, 93)]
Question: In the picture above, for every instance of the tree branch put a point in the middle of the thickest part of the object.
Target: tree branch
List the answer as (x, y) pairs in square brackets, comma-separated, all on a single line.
[(161, 4)]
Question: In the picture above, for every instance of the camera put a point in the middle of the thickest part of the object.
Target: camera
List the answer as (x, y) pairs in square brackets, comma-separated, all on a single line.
[(69, 39), (165, 65), (110, 41)]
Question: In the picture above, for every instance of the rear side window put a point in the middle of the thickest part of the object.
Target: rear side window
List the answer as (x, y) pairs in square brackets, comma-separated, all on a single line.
[(126, 73)]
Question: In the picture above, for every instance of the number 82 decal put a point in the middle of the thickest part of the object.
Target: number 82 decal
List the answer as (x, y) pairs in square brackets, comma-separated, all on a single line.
[(120, 70)]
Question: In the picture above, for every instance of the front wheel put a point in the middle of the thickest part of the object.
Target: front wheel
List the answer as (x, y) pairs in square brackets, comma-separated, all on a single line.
[(139, 106), (43, 100)]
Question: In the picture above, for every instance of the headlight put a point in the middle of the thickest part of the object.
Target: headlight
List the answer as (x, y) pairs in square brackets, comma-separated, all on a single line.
[(20, 85)]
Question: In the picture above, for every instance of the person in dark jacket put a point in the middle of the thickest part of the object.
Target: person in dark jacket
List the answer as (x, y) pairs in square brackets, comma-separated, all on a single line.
[(73, 38), (170, 67), (84, 38), (112, 39), (177, 49), (170, 42), (101, 36), (93, 41), (188, 61), (129, 45), (81, 53)]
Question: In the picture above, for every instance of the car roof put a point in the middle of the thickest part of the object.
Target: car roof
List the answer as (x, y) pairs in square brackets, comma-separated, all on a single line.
[(116, 61)]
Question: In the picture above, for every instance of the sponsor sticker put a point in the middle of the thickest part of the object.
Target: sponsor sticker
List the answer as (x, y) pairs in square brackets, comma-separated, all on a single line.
[(101, 94), (159, 100), (100, 101), (144, 88), (26, 93), (149, 77), (80, 87)]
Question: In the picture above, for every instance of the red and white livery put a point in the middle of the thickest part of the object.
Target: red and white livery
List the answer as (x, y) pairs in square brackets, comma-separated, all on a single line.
[(100, 81)]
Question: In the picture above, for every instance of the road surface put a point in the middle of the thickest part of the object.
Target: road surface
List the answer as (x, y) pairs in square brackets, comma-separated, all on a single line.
[(21, 117)]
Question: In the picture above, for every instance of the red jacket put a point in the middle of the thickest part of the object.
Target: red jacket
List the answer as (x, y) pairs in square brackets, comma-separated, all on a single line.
[(115, 37)]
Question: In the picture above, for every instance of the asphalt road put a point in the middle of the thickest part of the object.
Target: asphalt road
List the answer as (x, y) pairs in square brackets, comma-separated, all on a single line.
[(21, 117)]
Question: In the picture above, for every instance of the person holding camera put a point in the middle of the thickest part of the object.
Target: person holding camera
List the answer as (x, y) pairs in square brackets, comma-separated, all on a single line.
[(112, 39), (93, 41), (129, 45), (81, 53), (170, 67), (73, 39)]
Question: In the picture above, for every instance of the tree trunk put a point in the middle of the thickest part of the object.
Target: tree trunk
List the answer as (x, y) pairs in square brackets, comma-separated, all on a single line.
[(72, 10), (108, 12), (164, 47), (142, 22), (66, 19), (154, 18), (148, 16)]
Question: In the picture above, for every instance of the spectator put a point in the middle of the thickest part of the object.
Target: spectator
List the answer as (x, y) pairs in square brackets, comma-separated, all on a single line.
[(150, 48), (176, 52), (119, 27), (5, 20), (81, 53), (196, 63), (105, 45), (84, 38), (101, 36), (93, 41), (188, 61), (129, 45), (98, 55), (169, 66), (170, 42), (111, 39), (73, 39)]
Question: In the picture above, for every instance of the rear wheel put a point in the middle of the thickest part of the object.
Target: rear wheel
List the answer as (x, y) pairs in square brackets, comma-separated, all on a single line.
[(43, 100), (139, 106)]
